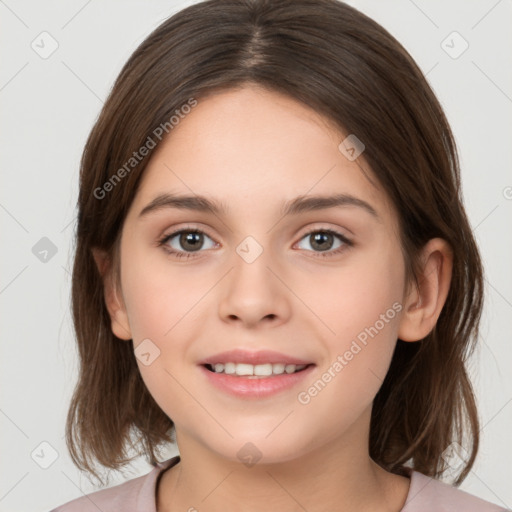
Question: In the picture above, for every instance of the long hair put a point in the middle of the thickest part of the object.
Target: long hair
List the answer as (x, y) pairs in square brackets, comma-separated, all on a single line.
[(337, 61)]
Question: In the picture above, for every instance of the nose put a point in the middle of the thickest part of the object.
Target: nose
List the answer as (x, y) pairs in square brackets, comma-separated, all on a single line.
[(254, 293)]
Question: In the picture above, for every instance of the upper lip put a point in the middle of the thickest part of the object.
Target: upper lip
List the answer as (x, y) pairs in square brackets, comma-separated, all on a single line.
[(248, 357)]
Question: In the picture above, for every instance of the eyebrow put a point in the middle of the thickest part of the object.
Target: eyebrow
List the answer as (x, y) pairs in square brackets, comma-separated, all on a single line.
[(295, 206)]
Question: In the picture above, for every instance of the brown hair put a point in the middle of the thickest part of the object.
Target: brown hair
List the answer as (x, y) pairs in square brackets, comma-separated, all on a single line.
[(345, 66)]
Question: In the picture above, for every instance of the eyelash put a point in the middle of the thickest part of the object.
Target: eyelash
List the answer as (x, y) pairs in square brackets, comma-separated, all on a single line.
[(182, 254)]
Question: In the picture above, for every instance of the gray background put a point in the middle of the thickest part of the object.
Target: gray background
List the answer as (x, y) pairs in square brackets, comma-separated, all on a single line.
[(48, 108)]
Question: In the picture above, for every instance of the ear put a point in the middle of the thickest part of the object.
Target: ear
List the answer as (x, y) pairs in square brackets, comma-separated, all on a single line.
[(423, 305), (115, 306)]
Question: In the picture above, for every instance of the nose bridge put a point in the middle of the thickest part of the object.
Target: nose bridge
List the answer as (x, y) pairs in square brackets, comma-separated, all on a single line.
[(251, 275), (253, 292), (250, 250)]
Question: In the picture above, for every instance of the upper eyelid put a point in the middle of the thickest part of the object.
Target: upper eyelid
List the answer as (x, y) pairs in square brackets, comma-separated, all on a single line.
[(177, 231)]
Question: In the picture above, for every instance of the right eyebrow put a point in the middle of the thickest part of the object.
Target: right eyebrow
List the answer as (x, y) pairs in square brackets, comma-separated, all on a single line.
[(198, 203)]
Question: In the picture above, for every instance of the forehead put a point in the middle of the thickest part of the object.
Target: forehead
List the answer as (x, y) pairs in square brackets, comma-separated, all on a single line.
[(252, 148)]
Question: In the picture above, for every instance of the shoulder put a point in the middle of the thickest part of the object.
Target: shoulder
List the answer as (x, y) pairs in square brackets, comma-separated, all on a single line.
[(135, 495), (430, 495)]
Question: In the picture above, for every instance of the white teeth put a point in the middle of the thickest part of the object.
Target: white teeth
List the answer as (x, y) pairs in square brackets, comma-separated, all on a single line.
[(263, 369), (278, 368), (244, 369), (258, 370), (229, 368)]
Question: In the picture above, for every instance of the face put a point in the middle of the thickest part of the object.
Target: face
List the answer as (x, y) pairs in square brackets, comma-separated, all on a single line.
[(324, 285)]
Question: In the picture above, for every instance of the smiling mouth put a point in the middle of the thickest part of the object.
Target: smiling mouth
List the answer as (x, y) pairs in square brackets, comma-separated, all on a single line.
[(255, 371)]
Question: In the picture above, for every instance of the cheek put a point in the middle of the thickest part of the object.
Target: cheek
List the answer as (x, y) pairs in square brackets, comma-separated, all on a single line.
[(164, 303), (353, 296), (160, 295), (361, 306)]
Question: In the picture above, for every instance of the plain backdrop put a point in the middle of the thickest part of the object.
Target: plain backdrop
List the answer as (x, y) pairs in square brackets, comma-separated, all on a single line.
[(48, 107)]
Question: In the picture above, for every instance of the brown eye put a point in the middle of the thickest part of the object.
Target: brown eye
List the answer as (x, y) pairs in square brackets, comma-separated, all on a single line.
[(191, 241), (185, 241), (321, 241), (326, 241)]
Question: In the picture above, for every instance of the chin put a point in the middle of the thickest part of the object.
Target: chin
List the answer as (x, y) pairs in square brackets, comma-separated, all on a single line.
[(259, 449)]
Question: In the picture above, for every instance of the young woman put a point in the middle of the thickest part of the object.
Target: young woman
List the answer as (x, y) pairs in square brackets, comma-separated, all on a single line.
[(273, 265)]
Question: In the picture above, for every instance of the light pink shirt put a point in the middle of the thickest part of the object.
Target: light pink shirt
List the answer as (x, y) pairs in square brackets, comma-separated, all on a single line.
[(139, 495)]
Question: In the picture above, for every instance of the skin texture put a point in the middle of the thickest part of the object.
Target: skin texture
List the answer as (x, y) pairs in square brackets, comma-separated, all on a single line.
[(253, 149)]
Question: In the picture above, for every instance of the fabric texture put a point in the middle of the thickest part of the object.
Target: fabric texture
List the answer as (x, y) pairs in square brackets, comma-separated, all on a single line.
[(139, 495)]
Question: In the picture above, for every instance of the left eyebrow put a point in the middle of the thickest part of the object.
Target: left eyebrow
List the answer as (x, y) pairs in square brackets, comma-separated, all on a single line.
[(295, 206), (303, 204)]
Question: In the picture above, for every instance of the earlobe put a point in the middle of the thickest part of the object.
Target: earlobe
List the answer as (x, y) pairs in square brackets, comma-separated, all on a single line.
[(115, 306), (423, 304)]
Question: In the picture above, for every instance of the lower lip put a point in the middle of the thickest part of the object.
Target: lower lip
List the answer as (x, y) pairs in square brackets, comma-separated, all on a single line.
[(255, 388)]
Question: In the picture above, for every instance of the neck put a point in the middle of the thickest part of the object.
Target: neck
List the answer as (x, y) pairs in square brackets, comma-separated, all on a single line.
[(334, 476)]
